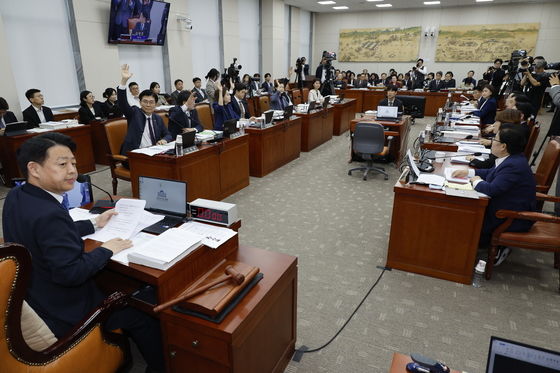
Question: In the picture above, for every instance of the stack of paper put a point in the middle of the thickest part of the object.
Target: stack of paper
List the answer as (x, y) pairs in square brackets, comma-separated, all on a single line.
[(156, 149), (206, 135), (449, 175), (211, 235), (123, 225)]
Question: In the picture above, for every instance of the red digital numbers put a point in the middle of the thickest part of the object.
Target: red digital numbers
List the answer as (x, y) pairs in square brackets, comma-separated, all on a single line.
[(208, 214)]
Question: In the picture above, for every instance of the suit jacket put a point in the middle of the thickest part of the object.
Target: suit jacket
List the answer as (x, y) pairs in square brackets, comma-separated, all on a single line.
[(174, 96), (30, 115), (361, 84), (237, 109), (223, 113), (497, 78), (136, 123), (319, 73), (511, 186), (178, 120), (111, 111), (9, 117), (486, 111), (86, 116), (408, 84), (268, 87), (199, 96), (396, 102), (62, 290), (279, 101), (435, 86), (450, 84)]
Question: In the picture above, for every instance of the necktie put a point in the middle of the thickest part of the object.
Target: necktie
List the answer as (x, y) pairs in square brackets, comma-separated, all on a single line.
[(65, 202), (390, 103), (241, 109), (2, 122), (151, 129)]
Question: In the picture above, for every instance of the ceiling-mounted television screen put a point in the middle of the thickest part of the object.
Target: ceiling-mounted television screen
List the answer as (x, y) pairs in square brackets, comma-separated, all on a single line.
[(138, 22)]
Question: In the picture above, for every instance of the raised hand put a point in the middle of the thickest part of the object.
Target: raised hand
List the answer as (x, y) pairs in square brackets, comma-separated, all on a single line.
[(125, 74)]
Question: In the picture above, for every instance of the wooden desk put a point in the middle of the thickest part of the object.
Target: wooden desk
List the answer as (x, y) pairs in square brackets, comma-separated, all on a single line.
[(356, 94), (316, 128), (399, 130), (399, 363), (271, 148), (62, 114), (344, 112), (80, 135), (214, 172), (434, 234)]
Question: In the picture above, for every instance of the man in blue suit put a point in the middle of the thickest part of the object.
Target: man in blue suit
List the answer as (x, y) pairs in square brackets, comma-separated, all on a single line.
[(62, 290), (510, 184), (238, 102), (279, 100), (182, 117), (144, 127)]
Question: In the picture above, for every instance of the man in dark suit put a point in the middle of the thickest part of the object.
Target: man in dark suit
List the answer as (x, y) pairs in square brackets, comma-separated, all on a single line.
[(6, 116), (238, 102), (436, 84), (497, 76), (200, 94), (36, 113), (322, 70), (268, 85), (362, 82), (62, 290), (144, 127), (449, 82), (183, 118), (407, 82), (510, 184), (391, 99), (178, 89)]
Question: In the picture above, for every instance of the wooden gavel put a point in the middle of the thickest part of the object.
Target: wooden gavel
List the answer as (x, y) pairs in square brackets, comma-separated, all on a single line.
[(231, 273)]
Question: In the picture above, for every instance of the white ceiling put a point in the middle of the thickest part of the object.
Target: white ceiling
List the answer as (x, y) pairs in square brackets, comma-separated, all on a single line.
[(361, 5)]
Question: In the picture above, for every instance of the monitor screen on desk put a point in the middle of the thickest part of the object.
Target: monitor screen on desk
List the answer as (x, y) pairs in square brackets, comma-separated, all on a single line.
[(509, 356), (163, 195), (80, 195)]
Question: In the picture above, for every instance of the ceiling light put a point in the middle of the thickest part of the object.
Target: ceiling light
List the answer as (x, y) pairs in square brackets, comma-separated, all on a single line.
[(326, 2), (340, 7), (383, 5), (483, 1), (373, 1), (432, 2)]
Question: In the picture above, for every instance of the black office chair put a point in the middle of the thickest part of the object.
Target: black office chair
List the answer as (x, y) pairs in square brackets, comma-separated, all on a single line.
[(369, 143)]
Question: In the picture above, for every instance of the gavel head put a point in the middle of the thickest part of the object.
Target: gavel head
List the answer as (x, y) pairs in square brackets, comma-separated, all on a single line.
[(237, 277)]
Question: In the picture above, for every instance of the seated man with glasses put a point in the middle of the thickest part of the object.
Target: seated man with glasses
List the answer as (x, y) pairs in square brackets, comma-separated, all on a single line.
[(510, 184), (144, 128)]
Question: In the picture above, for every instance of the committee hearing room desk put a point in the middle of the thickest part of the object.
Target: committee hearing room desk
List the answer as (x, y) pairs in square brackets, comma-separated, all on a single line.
[(399, 130), (81, 135), (272, 147), (214, 171), (258, 335), (316, 128), (344, 112), (434, 234)]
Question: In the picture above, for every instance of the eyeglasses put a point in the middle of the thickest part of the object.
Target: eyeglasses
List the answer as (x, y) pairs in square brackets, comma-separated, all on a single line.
[(148, 102), (494, 139)]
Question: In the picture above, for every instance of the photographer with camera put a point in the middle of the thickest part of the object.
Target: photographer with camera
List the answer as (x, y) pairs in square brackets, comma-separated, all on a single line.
[(534, 84), (302, 70), (418, 73), (495, 75)]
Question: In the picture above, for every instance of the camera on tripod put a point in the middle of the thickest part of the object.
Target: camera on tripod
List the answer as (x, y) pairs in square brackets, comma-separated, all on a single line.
[(329, 56), (232, 72)]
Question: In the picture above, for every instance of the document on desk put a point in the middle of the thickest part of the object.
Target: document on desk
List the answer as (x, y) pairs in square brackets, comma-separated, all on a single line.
[(449, 175), (78, 213), (137, 241), (122, 225), (430, 179), (156, 149), (166, 249), (211, 235), (461, 193)]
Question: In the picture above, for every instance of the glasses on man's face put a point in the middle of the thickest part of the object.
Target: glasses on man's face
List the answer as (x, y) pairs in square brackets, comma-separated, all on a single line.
[(148, 102), (493, 139)]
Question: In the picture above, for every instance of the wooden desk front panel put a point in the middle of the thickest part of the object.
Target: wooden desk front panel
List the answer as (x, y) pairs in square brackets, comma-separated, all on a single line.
[(292, 139), (311, 131), (80, 135), (234, 166), (356, 94), (343, 114), (434, 234), (372, 99), (328, 124)]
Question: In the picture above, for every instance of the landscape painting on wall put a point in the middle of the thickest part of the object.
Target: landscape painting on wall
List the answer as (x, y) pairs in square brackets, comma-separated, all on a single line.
[(484, 43), (379, 44)]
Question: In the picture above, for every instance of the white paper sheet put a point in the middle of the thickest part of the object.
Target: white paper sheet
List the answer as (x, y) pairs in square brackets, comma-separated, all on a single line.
[(78, 214), (459, 180), (137, 241), (211, 235), (124, 224)]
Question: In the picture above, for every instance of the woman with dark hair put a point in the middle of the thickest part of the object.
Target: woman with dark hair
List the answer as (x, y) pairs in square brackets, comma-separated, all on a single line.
[(315, 93), (487, 109), (155, 88), (212, 84), (111, 106), (223, 110), (90, 109), (374, 79), (247, 81)]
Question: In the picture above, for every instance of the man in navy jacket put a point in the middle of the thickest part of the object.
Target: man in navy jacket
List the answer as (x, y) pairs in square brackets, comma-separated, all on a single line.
[(183, 117), (62, 290), (144, 127)]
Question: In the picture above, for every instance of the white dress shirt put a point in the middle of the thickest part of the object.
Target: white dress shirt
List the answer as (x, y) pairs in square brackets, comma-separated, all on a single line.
[(241, 107), (40, 114), (146, 138)]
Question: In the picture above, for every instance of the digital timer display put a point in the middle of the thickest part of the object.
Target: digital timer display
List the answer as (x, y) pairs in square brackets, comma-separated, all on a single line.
[(209, 215)]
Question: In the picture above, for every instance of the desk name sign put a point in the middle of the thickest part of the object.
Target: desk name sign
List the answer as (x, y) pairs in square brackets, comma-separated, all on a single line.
[(213, 211)]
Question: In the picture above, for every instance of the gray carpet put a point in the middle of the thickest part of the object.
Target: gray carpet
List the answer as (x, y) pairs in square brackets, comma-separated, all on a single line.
[(338, 227)]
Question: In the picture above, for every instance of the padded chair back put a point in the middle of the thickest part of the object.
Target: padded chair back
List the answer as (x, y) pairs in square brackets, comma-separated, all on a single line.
[(369, 138), (534, 134), (305, 94), (165, 117), (264, 103), (296, 96), (205, 117), (116, 132), (548, 166)]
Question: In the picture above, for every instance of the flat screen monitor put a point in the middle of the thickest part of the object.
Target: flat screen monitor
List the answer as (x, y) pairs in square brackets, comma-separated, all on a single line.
[(162, 195), (80, 195), (507, 356), (138, 22)]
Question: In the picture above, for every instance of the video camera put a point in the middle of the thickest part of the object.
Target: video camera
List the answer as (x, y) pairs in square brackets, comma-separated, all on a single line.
[(329, 56), (232, 72)]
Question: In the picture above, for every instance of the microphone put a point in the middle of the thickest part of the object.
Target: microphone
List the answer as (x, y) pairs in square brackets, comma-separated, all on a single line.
[(101, 205), (476, 154)]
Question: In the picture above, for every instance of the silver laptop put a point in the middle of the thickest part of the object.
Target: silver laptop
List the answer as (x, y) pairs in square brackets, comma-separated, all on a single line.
[(164, 197), (387, 113)]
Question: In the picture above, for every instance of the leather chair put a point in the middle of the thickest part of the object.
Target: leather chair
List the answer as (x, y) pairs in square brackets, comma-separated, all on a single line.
[(205, 116), (296, 97), (116, 132), (544, 235), (264, 103), (547, 166), (87, 348), (533, 135), (368, 142), (165, 117), (305, 94)]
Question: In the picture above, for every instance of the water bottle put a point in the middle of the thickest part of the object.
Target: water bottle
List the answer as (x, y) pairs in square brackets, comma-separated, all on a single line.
[(179, 146), (478, 278)]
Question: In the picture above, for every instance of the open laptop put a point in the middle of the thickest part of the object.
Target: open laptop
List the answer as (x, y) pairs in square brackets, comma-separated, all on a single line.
[(388, 113), (17, 128), (505, 356), (164, 197)]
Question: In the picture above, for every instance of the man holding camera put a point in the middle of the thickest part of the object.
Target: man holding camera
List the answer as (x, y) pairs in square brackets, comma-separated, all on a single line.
[(495, 75), (418, 73), (534, 85)]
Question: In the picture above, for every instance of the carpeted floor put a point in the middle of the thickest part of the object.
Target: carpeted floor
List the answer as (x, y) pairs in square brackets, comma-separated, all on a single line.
[(338, 227)]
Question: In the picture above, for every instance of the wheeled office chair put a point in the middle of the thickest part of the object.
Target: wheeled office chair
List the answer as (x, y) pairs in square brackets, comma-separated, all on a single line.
[(368, 143)]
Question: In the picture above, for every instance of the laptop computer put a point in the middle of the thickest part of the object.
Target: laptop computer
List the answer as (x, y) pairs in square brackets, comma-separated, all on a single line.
[(388, 113), (505, 356), (17, 128), (164, 197), (326, 102), (80, 195)]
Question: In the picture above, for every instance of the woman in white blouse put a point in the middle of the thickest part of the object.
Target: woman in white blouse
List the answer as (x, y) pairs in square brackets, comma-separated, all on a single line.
[(315, 93)]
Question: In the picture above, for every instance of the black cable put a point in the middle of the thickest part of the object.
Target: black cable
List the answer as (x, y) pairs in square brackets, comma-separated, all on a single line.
[(298, 354)]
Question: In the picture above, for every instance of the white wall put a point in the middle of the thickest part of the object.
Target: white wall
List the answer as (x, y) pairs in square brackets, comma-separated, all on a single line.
[(249, 47), (205, 37), (327, 26)]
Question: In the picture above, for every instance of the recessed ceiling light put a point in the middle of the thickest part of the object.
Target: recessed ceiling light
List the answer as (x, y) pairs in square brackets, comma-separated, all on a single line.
[(483, 1), (373, 1), (432, 2), (326, 2), (340, 7), (383, 5)]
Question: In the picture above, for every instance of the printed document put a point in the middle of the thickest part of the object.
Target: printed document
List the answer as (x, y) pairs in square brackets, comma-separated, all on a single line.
[(211, 235), (122, 225)]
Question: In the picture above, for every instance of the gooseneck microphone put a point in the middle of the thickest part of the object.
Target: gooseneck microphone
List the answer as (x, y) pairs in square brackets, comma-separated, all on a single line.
[(476, 154), (101, 205)]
